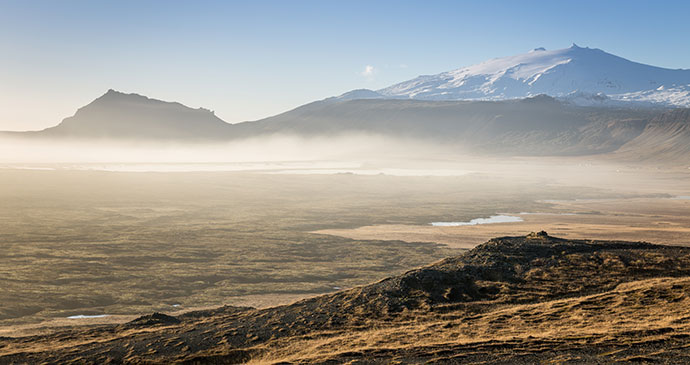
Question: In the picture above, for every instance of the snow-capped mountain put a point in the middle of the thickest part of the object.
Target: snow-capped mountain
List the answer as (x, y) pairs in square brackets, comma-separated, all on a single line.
[(576, 74)]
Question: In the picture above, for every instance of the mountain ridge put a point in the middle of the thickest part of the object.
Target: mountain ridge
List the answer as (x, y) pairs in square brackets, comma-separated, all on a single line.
[(573, 74), (535, 126), (131, 115), (665, 137), (539, 125)]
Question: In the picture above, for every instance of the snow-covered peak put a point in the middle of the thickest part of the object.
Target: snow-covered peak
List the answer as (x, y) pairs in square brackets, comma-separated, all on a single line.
[(558, 73), (358, 94)]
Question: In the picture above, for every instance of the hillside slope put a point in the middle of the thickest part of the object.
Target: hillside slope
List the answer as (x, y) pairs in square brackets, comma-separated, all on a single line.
[(666, 138), (510, 300), (117, 115), (534, 126)]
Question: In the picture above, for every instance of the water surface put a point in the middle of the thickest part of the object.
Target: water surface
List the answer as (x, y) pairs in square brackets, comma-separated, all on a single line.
[(83, 316), (492, 219)]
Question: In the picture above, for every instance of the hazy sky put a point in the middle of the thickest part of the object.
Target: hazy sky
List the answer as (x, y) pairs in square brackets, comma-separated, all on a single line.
[(251, 59)]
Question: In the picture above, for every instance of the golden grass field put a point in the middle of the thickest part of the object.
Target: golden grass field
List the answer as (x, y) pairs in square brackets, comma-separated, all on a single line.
[(516, 300)]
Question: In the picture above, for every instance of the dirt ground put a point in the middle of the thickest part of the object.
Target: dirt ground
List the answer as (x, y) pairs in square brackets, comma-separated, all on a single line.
[(656, 220)]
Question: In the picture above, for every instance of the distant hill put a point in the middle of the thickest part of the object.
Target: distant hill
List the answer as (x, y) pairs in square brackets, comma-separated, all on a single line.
[(133, 116), (534, 126), (665, 138)]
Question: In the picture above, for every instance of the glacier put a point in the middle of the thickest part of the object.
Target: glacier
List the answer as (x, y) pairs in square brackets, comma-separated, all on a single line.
[(579, 75)]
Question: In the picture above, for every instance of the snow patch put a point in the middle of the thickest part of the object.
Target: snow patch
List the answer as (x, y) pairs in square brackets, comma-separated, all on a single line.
[(559, 73)]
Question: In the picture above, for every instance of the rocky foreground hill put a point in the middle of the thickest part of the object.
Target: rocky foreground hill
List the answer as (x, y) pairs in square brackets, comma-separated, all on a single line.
[(509, 300)]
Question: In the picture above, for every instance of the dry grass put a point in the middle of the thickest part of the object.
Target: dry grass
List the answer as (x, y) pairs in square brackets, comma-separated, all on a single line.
[(604, 317), (518, 300)]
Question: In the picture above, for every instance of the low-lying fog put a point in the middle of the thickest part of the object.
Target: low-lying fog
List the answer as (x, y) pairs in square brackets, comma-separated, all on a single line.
[(285, 155), (267, 149), (354, 154)]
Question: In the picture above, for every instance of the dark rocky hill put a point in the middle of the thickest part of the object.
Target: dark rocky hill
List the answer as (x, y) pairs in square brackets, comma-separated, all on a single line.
[(511, 300), (116, 115)]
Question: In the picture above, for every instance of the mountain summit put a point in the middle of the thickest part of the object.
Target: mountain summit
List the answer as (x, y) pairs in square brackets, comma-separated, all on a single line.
[(577, 74), (120, 115)]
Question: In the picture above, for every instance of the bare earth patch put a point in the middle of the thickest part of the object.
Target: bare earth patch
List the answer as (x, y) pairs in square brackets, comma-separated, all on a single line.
[(650, 219)]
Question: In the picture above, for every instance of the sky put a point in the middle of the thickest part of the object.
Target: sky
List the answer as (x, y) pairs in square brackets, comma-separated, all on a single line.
[(247, 60)]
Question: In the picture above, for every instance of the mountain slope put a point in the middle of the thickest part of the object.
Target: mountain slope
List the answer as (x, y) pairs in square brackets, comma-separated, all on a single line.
[(666, 138), (525, 299), (119, 115), (558, 73), (534, 126)]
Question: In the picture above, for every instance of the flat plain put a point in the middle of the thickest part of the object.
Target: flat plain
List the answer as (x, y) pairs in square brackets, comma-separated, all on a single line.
[(664, 220), (116, 245)]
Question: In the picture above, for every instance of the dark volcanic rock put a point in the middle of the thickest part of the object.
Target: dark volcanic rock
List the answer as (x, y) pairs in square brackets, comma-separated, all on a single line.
[(539, 279), (117, 115), (154, 319), (516, 270)]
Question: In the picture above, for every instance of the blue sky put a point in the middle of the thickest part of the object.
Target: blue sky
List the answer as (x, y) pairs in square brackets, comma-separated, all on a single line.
[(248, 60)]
